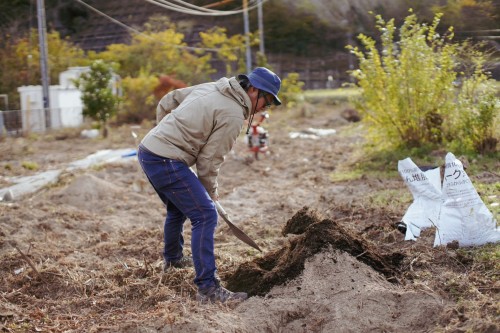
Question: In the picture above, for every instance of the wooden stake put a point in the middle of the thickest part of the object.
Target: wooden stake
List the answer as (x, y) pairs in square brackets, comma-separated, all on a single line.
[(25, 257)]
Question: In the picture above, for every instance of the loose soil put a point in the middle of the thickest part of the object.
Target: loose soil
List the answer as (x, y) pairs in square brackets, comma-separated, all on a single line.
[(84, 254)]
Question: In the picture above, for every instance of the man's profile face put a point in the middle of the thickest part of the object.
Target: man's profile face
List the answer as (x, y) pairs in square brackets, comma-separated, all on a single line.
[(261, 100)]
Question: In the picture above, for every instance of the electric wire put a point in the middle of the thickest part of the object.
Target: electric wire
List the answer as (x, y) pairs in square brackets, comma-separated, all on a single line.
[(184, 10), (200, 10), (208, 10), (135, 31)]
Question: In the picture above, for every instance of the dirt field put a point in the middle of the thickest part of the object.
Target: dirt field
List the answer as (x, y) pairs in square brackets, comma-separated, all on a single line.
[(84, 254)]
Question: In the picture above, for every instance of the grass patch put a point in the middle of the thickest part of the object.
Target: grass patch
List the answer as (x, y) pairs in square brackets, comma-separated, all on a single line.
[(486, 257), (344, 176), (30, 165), (331, 96), (489, 195), (395, 198)]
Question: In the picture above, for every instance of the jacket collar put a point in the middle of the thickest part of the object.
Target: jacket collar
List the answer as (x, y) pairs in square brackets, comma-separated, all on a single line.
[(231, 88)]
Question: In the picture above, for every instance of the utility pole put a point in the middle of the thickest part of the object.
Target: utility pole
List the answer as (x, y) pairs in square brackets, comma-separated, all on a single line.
[(42, 38), (247, 38), (261, 28)]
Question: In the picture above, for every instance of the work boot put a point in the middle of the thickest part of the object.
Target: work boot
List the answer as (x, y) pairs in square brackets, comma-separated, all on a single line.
[(217, 293), (183, 262)]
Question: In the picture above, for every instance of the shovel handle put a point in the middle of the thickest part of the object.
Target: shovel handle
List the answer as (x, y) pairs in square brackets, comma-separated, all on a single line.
[(220, 209)]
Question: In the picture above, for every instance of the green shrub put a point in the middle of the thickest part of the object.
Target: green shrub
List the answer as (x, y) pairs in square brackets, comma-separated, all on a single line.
[(164, 52), (139, 103), (477, 111), (477, 123), (291, 92), (411, 96), (99, 103)]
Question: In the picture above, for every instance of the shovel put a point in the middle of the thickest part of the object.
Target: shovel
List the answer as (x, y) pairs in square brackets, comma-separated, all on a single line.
[(236, 231)]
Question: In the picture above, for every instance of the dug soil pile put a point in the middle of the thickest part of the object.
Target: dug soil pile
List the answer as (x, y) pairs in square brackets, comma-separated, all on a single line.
[(276, 268), (328, 279)]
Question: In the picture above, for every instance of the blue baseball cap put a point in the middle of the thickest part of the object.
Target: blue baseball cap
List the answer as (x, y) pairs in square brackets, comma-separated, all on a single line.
[(264, 79)]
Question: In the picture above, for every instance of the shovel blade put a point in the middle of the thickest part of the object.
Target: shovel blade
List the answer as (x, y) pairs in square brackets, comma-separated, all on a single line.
[(235, 230), (241, 235)]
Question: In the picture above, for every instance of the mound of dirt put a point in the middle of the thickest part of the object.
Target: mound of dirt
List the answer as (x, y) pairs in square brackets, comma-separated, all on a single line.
[(329, 279), (88, 192), (337, 293), (260, 275)]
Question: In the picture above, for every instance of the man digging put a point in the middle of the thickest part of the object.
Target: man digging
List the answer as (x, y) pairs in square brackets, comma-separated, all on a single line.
[(198, 125)]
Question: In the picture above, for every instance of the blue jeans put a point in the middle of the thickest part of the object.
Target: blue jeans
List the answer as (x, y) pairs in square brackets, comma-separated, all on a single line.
[(184, 196)]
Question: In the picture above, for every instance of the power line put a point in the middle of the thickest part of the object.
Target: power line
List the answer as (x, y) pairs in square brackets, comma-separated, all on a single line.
[(123, 25), (218, 3), (197, 10), (205, 9), (135, 31)]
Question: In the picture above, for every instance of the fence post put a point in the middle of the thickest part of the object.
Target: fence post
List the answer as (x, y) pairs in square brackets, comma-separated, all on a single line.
[(28, 116), (2, 125)]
